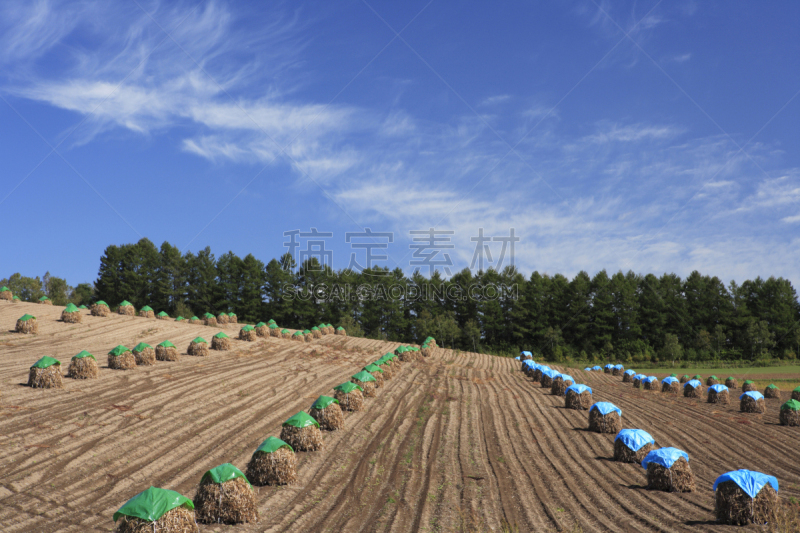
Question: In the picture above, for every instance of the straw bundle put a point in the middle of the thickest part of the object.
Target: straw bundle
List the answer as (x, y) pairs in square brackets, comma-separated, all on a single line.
[(627, 378), (210, 321), (100, 309), (580, 402), (144, 354), (692, 392), (316, 333), (274, 468), (796, 394), (734, 506), (195, 320), (341, 331), (27, 325), (222, 319), (71, 316), (231, 502), (83, 367), (748, 404), (124, 361), (307, 439), (232, 318), (298, 336), (748, 386), (790, 413), (719, 397), (248, 334), (607, 369), (426, 351), (286, 334), (637, 383), (147, 312), (162, 316), (46, 378), (651, 385), (673, 387), (178, 520), (617, 371), (167, 352), (330, 418), (546, 381), (220, 342), (262, 330), (275, 332), (623, 454), (537, 375), (308, 337), (772, 391), (388, 373), (677, 478), (731, 383), (609, 423), (559, 386), (350, 401), (44, 300), (126, 310), (712, 380), (6, 294), (684, 379), (367, 387), (407, 356), (198, 347), (378, 379)]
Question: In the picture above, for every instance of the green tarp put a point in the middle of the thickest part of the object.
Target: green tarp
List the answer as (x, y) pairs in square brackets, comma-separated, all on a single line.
[(771, 386), (248, 327), (179, 318), (221, 335), (712, 376), (43, 299), (45, 362), (162, 313), (199, 340), (791, 405), (340, 328), (4, 289), (296, 333), (270, 321), (209, 315), (167, 344), (315, 328), (17, 298), (273, 326), (260, 325), (748, 382), (347, 387), (306, 332), (364, 376), (232, 314), (146, 308), (324, 401), (373, 368), (673, 375), (140, 347), (194, 318), (27, 317), (284, 331), (328, 326), (223, 473), (272, 445), (101, 302), (152, 504), (796, 389), (71, 308), (119, 350), (125, 303), (301, 420), (83, 354)]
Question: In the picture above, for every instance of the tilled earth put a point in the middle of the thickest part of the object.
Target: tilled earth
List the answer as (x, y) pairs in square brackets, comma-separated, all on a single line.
[(456, 442)]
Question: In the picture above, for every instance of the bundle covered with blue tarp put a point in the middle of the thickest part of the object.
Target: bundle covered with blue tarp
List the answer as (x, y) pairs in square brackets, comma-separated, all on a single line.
[(634, 438), (588, 369), (718, 388), (526, 354), (619, 367), (596, 368), (693, 383), (669, 380), (650, 379), (749, 481), (567, 377), (630, 372), (753, 394), (579, 388), (664, 457), (606, 407)]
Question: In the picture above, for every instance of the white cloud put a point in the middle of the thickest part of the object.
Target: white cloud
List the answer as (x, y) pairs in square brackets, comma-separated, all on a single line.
[(791, 220)]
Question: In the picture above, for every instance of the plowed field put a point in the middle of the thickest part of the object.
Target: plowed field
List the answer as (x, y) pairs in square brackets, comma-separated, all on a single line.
[(456, 442)]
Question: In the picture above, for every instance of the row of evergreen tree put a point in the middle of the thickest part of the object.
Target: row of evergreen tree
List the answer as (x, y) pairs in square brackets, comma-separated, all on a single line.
[(625, 316)]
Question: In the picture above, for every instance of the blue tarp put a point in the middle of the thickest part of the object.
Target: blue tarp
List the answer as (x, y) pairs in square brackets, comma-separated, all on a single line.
[(630, 372), (596, 368), (634, 438), (664, 457), (609, 365), (580, 389), (639, 376), (619, 367), (588, 369), (669, 379), (530, 364), (718, 388), (544, 367), (694, 383), (517, 358), (753, 394), (549, 373), (750, 482), (529, 354), (649, 379), (605, 408), (567, 377)]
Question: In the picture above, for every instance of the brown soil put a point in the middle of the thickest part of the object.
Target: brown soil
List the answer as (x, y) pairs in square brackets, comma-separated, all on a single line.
[(455, 442)]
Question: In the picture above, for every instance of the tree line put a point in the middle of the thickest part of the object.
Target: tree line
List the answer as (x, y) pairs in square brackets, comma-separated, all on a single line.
[(625, 316)]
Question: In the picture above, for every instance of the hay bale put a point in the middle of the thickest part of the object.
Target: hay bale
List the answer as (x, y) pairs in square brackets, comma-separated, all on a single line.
[(302, 433), (349, 396), (121, 358), (650, 384), (734, 506), (316, 333), (162, 316), (536, 375), (44, 300), (46, 374), (195, 320), (298, 336), (83, 366), (248, 333), (166, 351), (262, 330), (637, 382), (27, 324), (731, 382), (407, 356), (180, 519), (126, 308), (722, 396), (607, 369), (6, 294), (222, 319), (273, 463), (232, 318), (712, 380), (221, 342), (790, 413), (617, 371), (327, 413), (198, 347), (274, 331), (144, 354), (387, 370), (677, 478), (671, 387), (147, 312), (627, 378), (308, 337), (772, 392), (210, 321), (71, 314), (581, 402), (376, 372), (796, 394), (225, 497), (748, 386), (684, 379), (341, 331), (559, 386), (100, 309), (366, 381), (692, 389), (286, 334), (546, 381), (623, 454), (604, 417), (426, 351), (752, 404)]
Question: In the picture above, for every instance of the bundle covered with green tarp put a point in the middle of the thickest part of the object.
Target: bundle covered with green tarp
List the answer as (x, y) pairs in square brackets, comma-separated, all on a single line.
[(225, 497), (159, 509)]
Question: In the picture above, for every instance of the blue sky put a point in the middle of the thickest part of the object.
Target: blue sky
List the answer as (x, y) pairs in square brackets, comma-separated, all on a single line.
[(653, 136)]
